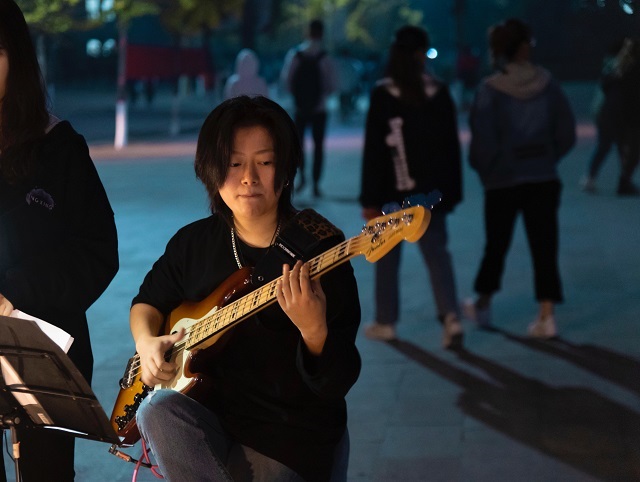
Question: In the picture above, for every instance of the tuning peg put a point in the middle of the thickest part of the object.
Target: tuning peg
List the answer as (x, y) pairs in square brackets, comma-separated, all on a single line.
[(420, 199)]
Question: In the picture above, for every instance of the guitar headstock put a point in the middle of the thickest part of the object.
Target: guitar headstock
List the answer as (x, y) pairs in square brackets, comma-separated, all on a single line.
[(385, 232)]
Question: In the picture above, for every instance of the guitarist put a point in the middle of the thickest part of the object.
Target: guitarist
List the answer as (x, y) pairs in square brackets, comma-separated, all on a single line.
[(276, 405)]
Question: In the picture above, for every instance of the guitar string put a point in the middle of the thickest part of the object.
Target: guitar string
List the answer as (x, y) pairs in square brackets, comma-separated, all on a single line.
[(233, 307)]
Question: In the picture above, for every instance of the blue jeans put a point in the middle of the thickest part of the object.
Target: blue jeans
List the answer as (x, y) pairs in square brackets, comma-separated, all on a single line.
[(189, 444), (433, 245)]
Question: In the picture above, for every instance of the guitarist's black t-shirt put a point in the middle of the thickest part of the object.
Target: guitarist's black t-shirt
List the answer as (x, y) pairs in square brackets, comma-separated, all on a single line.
[(269, 393)]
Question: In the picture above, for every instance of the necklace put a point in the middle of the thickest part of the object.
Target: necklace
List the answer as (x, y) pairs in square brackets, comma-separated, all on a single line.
[(235, 249)]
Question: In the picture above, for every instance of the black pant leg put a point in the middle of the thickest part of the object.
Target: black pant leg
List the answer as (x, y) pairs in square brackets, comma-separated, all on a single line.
[(318, 131), (630, 153), (540, 207), (500, 210), (46, 455), (301, 121)]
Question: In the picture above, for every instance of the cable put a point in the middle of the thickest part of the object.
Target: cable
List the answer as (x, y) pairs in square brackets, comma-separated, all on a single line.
[(144, 461), (126, 457)]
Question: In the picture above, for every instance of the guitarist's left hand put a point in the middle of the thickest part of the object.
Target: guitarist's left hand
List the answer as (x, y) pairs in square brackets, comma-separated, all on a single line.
[(304, 302)]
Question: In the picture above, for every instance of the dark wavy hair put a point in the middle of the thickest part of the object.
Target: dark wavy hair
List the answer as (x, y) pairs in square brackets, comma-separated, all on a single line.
[(215, 144), (24, 115), (404, 65)]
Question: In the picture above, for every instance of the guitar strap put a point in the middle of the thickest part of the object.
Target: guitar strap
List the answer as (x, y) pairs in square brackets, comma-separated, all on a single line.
[(303, 236)]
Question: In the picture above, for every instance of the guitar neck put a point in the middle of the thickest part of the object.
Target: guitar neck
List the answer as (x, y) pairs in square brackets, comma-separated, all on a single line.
[(377, 238), (265, 295)]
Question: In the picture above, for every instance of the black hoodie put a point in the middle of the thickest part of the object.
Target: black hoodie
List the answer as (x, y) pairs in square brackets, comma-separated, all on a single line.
[(58, 240), (411, 149)]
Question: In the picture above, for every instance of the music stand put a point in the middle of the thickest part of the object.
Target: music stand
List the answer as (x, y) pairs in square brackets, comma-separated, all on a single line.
[(41, 388)]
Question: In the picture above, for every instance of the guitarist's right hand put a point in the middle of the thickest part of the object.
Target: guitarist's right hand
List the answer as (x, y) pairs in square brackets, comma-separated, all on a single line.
[(152, 349), (146, 321)]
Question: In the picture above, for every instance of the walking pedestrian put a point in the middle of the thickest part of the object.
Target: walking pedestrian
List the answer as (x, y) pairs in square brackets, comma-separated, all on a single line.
[(412, 146), (627, 72), (610, 121), (521, 126), (349, 72), (309, 74)]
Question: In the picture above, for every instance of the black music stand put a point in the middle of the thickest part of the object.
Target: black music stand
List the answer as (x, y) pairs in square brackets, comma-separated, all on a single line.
[(41, 388)]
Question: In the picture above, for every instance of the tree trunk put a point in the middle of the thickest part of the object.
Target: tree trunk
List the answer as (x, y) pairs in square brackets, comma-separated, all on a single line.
[(459, 10), (249, 24), (41, 53), (122, 127)]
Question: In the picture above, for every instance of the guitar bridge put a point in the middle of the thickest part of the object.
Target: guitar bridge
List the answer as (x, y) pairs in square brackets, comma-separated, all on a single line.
[(131, 409), (127, 379)]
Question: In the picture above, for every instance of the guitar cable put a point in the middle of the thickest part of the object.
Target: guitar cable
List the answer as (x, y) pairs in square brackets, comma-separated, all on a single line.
[(144, 460), (126, 457)]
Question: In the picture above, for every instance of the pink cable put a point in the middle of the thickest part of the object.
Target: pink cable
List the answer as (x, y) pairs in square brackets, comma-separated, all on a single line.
[(145, 458)]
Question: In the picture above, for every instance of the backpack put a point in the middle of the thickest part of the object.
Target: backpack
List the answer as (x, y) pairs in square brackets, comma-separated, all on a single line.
[(306, 81)]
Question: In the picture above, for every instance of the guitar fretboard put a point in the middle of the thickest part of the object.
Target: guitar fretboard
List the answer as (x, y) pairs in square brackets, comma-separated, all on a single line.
[(266, 295)]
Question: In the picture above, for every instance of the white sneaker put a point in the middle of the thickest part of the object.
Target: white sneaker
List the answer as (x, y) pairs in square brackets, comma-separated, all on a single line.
[(543, 328), (482, 316), (380, 331), (452, 332)]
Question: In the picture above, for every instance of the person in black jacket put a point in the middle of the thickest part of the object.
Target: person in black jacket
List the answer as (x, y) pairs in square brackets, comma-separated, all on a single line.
[(412, 146), (628, 72), (309, 73), (58, 240), (275, 406), (618, 118)]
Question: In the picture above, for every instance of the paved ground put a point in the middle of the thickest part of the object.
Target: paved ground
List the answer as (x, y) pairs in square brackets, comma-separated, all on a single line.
[(507, 408)]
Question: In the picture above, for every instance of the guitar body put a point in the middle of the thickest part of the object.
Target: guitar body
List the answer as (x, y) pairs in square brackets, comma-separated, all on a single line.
[(191, 378)]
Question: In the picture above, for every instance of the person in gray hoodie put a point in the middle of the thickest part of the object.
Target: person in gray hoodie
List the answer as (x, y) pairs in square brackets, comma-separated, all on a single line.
[(245, 80), (521, 126)]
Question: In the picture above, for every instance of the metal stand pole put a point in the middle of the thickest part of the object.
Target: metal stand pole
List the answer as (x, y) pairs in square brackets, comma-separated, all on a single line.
[(12, 421)]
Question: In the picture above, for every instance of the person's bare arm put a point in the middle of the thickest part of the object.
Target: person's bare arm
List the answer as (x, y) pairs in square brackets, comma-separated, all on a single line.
[(146, 322), (5, 306)]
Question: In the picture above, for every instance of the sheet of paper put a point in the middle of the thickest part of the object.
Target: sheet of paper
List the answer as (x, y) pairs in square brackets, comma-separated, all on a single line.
[(58, 335)]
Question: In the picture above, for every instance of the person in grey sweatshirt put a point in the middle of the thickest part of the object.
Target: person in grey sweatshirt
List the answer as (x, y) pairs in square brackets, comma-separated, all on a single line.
[(521, 126), (246, 79)]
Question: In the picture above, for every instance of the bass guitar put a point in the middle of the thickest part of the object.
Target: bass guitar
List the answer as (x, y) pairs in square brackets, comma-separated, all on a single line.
[(206, 321)]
